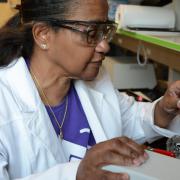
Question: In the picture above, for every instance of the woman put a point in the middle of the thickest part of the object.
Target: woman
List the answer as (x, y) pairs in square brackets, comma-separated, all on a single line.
[(57, 101)]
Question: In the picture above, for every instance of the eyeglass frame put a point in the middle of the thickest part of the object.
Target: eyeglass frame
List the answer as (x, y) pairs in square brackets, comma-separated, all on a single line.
[(62, 23)]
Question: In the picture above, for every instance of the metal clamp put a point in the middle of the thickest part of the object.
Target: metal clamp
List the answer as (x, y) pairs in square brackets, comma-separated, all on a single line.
[(173, 145)]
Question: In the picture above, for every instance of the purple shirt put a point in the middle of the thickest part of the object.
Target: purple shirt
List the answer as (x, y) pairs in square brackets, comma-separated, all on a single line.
[(75, 128)]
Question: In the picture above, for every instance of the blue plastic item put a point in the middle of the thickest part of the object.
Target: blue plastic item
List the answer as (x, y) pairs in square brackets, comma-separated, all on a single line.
[(112, 7)]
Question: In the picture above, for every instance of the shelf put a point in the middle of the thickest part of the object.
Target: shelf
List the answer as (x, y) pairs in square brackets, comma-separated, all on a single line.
[(168, 40), (163, 48)]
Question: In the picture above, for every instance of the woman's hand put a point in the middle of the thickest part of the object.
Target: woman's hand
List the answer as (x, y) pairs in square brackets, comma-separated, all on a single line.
[(169, 106), (118, 151)]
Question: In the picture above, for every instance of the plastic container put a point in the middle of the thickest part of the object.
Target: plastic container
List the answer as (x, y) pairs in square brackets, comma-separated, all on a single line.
[(112, 7)]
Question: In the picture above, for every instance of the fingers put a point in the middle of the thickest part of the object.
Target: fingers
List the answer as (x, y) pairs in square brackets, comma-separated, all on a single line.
[(117, 159), (132, 144), (131, 150), (171, 100), (118, 151), (174, 89), (124, 151), (136, 151)]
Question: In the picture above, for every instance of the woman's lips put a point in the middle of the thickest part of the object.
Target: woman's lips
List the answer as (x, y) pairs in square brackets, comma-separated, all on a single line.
[(100, 59)]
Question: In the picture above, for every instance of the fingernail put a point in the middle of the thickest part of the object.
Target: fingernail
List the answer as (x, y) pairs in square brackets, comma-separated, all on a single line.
[(136, 162), (146, 155), (178, 104)]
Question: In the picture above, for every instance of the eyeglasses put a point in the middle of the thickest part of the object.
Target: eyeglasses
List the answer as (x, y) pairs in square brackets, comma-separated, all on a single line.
[(94, 32)]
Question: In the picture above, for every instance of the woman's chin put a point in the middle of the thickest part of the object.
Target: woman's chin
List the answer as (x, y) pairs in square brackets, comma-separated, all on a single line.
[(90, 76)]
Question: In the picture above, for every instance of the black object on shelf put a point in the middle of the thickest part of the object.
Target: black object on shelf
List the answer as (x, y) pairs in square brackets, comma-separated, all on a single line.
[(160, 143), (3, 1), (155, 2)]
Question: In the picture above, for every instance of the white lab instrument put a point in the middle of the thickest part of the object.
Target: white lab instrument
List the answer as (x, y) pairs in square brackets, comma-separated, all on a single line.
[(127, 74), (135, 16)]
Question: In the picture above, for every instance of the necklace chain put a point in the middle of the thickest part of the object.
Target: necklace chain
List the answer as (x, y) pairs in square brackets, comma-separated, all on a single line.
[(47, 102)]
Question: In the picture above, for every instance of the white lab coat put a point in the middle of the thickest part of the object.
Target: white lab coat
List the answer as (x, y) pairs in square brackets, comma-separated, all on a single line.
[(28, 142)]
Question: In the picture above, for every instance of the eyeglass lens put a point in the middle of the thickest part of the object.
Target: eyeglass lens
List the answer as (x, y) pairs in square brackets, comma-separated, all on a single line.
[(100, 33)]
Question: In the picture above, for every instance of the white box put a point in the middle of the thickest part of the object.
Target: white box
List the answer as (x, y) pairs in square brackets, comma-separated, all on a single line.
[(127, 74)]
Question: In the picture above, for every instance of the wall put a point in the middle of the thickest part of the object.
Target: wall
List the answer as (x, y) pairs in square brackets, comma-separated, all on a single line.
[(5, 12)]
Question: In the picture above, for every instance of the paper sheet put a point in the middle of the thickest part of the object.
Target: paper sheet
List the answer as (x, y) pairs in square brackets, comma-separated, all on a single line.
[(157, 167)]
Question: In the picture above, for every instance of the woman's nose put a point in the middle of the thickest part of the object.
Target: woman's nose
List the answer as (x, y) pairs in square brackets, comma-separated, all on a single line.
[(102, 46)]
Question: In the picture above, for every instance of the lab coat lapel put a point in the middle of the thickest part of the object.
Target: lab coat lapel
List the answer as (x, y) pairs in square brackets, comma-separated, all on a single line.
[(32, 108), (101, 106), (91, 103)]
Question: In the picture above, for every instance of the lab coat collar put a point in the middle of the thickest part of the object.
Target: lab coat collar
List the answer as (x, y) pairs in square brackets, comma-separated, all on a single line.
[(20, 80), (91, 101), (29, 103), (101, 105)]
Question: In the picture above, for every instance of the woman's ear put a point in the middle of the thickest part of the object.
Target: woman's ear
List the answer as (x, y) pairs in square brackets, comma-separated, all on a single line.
[(41, 33)]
